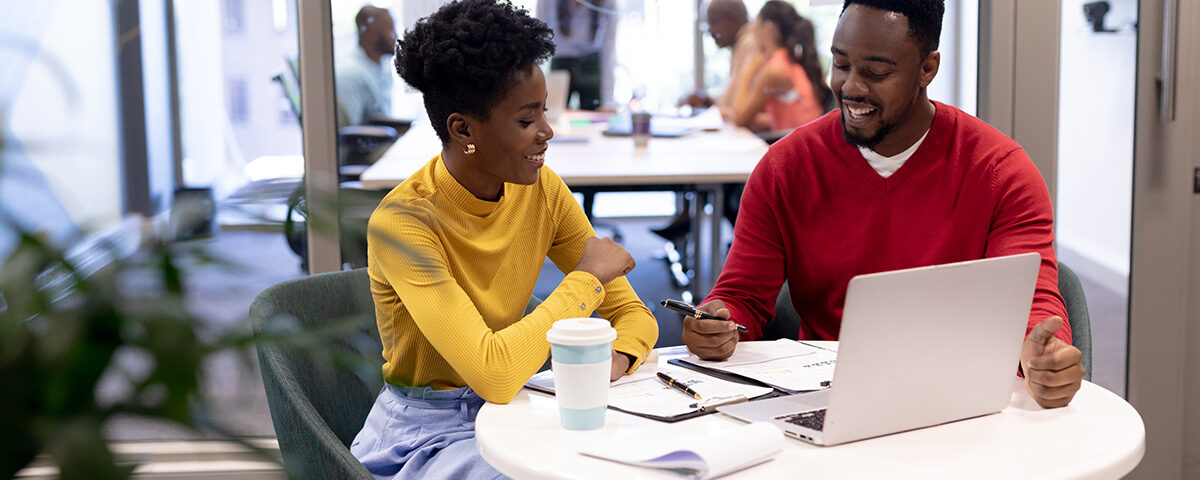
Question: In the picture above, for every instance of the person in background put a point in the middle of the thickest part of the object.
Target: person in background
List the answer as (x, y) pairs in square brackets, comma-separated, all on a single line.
[(364, 80), (579, 29), (890, 181), (784, 79), (454, 252), (729, 26)]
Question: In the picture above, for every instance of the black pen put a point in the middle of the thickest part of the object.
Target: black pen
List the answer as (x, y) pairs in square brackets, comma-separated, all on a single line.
[(691, 311), (673, 383)]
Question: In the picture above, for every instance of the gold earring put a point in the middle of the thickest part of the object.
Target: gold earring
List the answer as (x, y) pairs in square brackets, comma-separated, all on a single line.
[(469, 149)]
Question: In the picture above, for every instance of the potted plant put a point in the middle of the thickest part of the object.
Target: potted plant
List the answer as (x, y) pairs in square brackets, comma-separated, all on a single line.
[(64, 330)]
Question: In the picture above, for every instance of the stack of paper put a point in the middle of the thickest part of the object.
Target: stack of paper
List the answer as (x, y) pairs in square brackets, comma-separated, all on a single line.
[(787, 365), (698, 457)]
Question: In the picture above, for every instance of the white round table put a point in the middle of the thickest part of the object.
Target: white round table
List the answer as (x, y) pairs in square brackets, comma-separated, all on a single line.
[(1098, 435)]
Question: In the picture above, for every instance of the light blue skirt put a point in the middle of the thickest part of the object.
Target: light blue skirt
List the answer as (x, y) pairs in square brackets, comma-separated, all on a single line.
[(419, 432)]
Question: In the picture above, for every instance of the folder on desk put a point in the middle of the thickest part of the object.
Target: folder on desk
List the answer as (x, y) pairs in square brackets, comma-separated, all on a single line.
[(784, 365), (645, 395)]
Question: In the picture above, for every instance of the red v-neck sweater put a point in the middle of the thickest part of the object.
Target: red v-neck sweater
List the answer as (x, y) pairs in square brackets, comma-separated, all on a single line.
[(816, 214)]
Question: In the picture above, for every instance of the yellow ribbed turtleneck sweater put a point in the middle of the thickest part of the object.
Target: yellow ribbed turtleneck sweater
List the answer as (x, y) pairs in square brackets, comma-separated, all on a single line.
[(451, 275)]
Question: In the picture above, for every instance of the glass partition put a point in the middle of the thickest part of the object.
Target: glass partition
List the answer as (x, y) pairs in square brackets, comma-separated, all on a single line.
[(1095, 169)]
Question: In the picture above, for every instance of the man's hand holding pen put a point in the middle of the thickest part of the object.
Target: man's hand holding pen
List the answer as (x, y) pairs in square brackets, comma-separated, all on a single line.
[(711, 339), (690, 311)]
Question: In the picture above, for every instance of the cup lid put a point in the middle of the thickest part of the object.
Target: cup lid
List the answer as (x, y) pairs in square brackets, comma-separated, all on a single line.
[(581, 331)]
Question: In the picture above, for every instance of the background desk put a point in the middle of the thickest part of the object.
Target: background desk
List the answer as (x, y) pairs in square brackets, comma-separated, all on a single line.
[(700, 161), (1098, 436)]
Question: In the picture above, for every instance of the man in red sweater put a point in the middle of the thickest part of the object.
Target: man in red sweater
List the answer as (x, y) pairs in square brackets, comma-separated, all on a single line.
[(889, 181)]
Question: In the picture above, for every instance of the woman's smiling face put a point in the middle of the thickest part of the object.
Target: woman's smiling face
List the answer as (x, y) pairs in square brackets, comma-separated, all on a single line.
[(510, 146)]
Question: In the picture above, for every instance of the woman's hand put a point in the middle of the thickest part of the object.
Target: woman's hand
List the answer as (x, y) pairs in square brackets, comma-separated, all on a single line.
[(605, 259), (620, 363)]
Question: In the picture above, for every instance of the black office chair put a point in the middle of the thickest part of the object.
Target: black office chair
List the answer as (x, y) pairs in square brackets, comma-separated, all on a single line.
[(359, 146), (786, 323), (355, 205)]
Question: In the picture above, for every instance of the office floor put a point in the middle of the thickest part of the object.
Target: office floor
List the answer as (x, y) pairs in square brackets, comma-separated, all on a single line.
[(222, 295)]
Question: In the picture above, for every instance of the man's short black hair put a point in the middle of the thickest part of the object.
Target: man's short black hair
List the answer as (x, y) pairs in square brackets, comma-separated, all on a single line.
[(468, 55), (924, 18)]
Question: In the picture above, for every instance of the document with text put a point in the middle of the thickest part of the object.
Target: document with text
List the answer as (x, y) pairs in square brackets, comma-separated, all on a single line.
[(786, 365)]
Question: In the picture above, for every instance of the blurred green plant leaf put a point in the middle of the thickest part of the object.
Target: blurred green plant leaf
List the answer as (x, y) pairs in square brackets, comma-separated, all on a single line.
[(63, 331)]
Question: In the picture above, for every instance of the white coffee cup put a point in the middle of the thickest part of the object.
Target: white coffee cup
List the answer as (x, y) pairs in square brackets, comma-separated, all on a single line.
[(581, 353)]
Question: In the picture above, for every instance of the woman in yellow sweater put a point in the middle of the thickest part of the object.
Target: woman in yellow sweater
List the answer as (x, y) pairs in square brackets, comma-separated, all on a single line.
[(454, 252)]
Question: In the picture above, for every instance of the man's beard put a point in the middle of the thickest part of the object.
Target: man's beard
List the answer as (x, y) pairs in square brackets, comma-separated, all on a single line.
[(867, 142)]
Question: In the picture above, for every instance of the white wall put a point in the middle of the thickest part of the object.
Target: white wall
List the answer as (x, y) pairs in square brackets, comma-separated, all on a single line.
[(63, 109), (1095, 143)]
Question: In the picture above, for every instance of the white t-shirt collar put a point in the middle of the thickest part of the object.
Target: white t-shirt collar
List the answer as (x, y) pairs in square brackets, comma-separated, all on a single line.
[(886, 166)]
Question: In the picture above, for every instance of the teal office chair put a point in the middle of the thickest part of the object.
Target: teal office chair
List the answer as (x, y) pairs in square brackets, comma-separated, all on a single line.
[(318, 411), (787, 322), (1071, 290)]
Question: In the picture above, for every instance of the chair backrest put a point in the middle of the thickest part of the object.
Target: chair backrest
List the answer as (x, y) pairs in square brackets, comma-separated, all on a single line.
[(289, 81), (786, 323), (291, 92), (1071, 290), (317, 410)]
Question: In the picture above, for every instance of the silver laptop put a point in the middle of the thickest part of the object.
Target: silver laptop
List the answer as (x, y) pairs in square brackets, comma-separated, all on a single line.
[(918, 347)]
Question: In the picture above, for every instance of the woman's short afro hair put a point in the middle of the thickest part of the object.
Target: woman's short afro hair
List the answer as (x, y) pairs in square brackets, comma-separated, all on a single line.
[(468, 55)]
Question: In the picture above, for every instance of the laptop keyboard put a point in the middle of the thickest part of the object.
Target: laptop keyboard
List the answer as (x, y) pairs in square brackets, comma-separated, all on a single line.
[(814, 419)]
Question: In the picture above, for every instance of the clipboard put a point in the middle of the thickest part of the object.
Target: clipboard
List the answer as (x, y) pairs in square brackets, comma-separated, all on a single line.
[(644, 395), (666, 419)]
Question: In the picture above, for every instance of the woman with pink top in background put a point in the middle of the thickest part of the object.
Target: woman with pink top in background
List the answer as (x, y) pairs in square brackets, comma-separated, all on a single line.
[(785, 79)]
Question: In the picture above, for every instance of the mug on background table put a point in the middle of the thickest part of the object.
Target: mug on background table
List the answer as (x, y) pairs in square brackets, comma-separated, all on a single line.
[(640, 128)]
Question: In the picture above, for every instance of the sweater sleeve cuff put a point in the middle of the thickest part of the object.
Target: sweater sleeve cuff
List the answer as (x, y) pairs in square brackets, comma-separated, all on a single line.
[(630, 347), (586, 289)]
